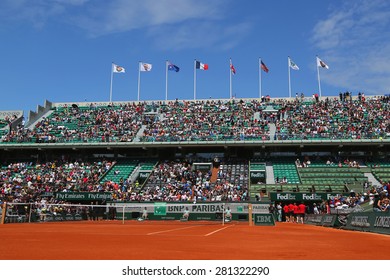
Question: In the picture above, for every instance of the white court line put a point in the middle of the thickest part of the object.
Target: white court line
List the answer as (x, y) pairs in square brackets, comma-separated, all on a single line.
[(169, 230), (215, 231)]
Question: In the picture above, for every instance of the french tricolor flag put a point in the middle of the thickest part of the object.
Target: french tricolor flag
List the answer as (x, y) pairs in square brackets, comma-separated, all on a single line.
[(201, 66)]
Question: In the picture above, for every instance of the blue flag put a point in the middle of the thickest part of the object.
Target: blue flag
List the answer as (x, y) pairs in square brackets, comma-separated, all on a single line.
[(173, 67)]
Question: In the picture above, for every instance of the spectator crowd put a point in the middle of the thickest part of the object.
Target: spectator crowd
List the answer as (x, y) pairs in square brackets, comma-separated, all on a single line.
[(211, 120)]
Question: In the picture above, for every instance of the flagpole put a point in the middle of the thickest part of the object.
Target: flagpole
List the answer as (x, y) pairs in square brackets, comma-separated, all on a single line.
[(260, 89), (112, 74), (318, 77), (289, 79), (195, 79), (139, 78), (230, 71), (166, 80)]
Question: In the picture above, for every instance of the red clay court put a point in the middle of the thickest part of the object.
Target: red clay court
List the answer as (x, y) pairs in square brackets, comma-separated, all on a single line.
[(171, 240)]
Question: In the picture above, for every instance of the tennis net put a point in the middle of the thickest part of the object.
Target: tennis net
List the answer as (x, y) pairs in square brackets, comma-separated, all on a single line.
[(216, 212)]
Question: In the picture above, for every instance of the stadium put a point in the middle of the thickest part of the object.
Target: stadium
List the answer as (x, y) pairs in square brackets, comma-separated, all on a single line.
[(237, 166)]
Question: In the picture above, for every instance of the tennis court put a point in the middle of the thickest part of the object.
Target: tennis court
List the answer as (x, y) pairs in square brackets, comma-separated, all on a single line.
[(193, 240)]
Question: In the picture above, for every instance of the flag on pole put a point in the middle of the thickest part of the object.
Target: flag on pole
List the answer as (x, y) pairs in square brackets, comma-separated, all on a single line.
[(201, 66), (264, 67), (322, 64), (292, 64), (117, 69), (173, 67), (232, 68), (145, 67)]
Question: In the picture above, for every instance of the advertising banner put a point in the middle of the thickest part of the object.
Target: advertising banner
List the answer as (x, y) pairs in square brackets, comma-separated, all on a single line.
[(83, 196), (369, 221), (171, 211), (305, 197), (321, 220), (264, 219)]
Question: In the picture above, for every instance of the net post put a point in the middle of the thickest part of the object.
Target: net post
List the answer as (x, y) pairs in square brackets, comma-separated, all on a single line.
[(123, 215), (250, 214), (3, 211), (30, 213), (223, 214)]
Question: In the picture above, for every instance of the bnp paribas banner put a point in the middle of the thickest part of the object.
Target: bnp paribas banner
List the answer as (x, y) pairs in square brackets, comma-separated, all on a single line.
[(275, 196), (79, 196), (163, 208)]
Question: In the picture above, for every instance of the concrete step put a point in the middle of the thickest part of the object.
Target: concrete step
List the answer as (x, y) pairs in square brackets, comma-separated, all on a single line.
[(372, 180), (269, 169)]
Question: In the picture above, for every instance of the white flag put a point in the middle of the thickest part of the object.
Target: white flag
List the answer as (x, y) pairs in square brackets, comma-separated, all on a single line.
[(145, 67), (292, 64), (322, 64), (117, 69)]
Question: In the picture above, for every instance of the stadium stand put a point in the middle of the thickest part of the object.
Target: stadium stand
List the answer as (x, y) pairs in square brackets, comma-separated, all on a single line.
[(285, 172), (381, 171), (120, 171), (151, 151), (211, 120)]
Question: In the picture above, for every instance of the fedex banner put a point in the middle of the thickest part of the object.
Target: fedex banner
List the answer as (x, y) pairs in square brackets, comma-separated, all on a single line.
[(275, 196)]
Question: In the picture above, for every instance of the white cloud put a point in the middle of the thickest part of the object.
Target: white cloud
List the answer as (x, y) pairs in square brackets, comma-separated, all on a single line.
[(354, 39), (122, 15), (170, 24)]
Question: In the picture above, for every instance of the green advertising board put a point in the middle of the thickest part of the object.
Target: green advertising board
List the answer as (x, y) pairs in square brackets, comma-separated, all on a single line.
[(321, 220), (263, 219), (329, 220), (160, 209), (369, 221)]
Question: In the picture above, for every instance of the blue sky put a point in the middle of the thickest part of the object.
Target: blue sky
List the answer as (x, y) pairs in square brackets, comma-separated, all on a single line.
[(62, 50)]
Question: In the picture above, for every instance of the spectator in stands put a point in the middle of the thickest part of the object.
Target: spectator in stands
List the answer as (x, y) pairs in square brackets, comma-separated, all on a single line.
[(377, 205), (385, 207)]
